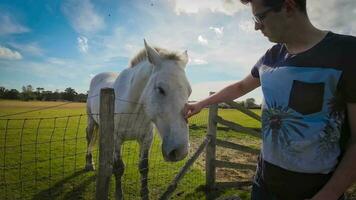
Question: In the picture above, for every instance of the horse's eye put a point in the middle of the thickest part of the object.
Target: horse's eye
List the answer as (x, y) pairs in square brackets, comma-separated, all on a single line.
[(161, 91)]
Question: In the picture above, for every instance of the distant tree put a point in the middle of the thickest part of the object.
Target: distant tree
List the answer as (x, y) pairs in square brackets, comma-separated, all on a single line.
[(12, 94), (81, 97), (57, 95), (38, 93), (39, 89), (2, 91), (47, 95), (27, 93), (69, 94), (240, 103), (250, 103)]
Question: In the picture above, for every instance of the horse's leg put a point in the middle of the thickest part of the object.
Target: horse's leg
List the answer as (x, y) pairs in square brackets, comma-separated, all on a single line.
[(91, 131), (143, 165), (118, 170)]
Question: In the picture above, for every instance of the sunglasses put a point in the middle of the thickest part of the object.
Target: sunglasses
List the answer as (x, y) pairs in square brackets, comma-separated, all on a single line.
[(259, 17)]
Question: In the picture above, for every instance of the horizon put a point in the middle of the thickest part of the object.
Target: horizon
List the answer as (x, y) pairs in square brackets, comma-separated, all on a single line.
[(61, 44)]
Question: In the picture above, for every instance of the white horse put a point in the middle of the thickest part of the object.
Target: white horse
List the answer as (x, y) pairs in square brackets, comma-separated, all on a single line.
[(153, 90)]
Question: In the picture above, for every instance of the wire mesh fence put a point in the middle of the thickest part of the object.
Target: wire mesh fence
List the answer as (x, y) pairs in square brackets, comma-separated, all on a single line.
[(44, 158), (38, 152)]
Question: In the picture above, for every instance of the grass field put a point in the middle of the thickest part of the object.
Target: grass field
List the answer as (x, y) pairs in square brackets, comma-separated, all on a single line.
[(43, 155)]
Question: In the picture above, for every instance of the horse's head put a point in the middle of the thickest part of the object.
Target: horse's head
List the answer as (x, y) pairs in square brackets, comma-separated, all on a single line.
[(164, 97)]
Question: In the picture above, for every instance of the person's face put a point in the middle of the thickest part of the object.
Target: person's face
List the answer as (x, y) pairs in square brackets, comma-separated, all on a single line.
[(269, 22)]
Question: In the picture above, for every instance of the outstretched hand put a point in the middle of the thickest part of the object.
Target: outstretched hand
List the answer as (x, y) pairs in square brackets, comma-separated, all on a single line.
[(191, 109)]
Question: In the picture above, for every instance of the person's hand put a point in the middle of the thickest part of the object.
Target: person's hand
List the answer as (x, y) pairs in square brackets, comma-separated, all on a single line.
[(191, 109)]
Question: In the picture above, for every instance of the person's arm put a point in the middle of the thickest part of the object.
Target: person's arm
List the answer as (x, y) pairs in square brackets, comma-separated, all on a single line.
[(228, 93), (345, 174)]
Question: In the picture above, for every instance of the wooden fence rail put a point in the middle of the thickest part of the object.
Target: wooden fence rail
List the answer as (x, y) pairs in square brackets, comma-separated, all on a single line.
[(211, 162), (184, 169)]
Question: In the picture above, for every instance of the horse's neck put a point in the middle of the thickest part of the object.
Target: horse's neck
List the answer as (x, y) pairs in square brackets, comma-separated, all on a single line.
[(132, 87)]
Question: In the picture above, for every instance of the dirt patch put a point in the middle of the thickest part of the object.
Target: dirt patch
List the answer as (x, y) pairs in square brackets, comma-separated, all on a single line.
[(225, 174), (232, 175)]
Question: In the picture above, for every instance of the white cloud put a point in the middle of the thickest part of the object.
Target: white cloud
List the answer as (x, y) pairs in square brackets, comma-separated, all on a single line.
[(247, 26), (228, 7), (6, 53), (56, 61), (83, 44), (32, 48), (202, 40), (82, 16), (11, 26), (197, 61), (218, 31), (338, 16)]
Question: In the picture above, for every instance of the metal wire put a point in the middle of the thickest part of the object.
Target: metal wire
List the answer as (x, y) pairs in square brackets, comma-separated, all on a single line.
[(21, 156), (43, 118), (50, 157), (35, 110), (76, 143), (58, 144), (36, 156), (4, 164)]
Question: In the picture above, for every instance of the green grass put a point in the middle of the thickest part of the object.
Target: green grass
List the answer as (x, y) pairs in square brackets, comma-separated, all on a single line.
[(42, 155)]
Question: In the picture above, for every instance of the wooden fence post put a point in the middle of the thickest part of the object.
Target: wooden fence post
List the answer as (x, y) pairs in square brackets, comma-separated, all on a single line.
[(211, 148), (106, 143)]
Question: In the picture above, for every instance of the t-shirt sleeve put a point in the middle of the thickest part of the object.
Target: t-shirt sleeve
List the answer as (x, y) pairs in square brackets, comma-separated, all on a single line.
[(255, 69), (267, 58)]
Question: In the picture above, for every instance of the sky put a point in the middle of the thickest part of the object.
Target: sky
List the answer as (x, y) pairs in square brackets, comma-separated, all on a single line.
[(58, 44)]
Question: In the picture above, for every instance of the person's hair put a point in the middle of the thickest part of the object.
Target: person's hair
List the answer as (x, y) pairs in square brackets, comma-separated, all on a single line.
[(301, 4)]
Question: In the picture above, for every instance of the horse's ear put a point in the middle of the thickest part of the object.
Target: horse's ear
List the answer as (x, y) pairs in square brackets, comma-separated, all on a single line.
[(185, 57), (152, 55)]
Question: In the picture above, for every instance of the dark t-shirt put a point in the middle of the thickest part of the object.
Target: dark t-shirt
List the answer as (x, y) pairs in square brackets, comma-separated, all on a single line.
[(303, 112)]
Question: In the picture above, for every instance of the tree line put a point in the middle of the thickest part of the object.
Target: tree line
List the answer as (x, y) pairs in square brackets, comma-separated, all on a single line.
[(29, 93)]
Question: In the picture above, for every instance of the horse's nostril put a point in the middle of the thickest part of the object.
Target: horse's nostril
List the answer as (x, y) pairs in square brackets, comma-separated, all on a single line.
[(174, 152), (173, 155)]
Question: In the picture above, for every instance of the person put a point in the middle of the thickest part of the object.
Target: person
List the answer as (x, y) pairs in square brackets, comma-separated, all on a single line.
[(308, 81)]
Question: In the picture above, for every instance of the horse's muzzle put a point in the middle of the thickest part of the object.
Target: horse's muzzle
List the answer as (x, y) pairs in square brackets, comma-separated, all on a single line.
[(174, 152)]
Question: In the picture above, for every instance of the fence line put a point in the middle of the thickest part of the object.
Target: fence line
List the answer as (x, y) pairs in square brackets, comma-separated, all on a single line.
[(39, 159), (17, 152), (50, 107), (35, 110), (211, 162), (63, 133)]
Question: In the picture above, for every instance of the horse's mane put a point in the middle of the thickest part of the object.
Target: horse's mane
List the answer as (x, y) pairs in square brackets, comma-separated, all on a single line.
[(141, 56)]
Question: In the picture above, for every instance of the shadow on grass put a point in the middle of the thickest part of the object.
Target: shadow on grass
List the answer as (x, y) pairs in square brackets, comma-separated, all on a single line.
[(58, 189), (77, 192), (201, 192)]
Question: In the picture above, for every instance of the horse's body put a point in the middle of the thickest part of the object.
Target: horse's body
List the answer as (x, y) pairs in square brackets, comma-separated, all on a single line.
[(153, 89)]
